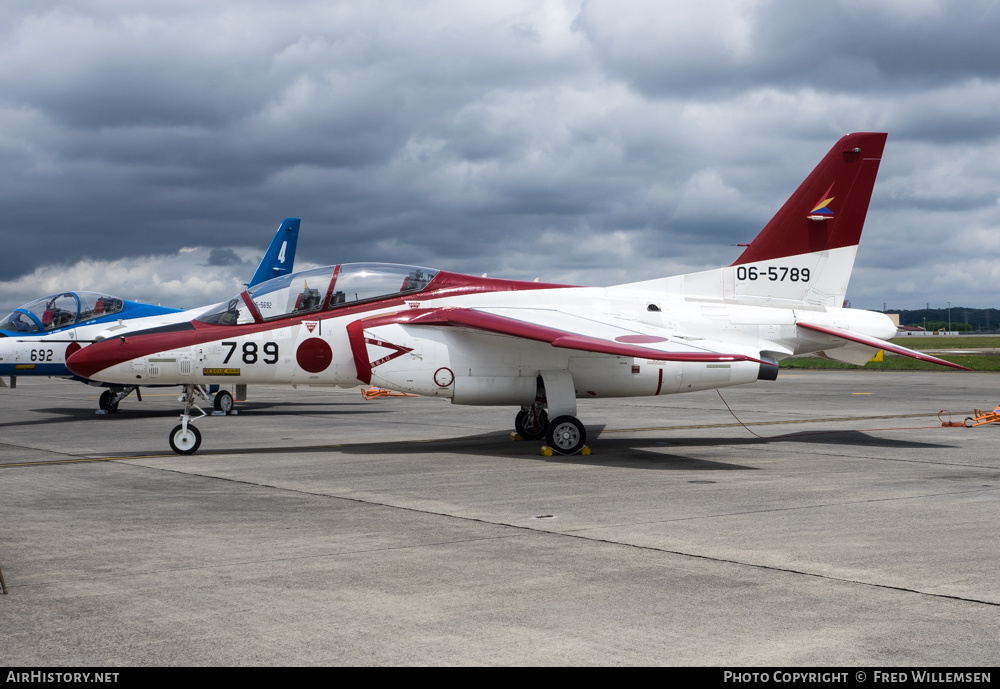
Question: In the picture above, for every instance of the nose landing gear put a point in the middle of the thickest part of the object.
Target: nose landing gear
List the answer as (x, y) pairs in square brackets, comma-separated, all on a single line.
[(185, 439), (109, 399)]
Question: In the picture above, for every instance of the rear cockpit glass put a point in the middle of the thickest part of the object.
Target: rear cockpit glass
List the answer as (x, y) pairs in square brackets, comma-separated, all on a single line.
[(293, 294), (93, 305), (61, 310), (363, 281)]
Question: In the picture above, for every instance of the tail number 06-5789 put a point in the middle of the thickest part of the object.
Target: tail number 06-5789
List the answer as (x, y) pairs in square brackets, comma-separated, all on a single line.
[(268, 353), (774, 274)]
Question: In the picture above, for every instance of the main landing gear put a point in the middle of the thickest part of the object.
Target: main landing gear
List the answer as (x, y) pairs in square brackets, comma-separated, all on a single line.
[(110, 398), (564, 434), (223, 402), (531, 422), (556, 396)]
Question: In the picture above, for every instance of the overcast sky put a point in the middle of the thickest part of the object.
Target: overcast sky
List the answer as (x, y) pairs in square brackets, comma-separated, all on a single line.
[(150, 149)]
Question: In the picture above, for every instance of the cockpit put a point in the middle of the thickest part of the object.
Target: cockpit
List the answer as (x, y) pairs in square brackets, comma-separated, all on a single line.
[(60, 311), (329, 287)]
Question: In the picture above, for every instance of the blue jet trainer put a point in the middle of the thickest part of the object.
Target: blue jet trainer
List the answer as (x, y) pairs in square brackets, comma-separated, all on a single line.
[(36, 338), (61, 315)]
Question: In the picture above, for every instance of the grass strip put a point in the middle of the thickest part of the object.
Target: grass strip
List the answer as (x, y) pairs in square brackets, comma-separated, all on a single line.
[(977, 362)]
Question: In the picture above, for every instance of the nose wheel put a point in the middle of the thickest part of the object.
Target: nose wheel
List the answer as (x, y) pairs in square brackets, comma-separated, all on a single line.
[(109, 399), (185, 441), (107, 402)]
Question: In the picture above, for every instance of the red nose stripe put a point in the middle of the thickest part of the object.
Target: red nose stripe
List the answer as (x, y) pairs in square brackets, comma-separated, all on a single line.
[(99, 356)]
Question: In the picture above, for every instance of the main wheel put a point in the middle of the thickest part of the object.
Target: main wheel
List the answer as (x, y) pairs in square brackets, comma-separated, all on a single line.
[(185, 443), (531, 425), (223, 401), (566, 435), (106, 404)]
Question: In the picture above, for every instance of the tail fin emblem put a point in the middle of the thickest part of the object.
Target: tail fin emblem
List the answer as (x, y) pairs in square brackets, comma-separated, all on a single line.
[(821, 212)]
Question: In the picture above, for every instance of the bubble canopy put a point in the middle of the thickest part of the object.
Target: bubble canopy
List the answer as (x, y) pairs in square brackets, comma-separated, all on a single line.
[(329, 287), (61, 310)]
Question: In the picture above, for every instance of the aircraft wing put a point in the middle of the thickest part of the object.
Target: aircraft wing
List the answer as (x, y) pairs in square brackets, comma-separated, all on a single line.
[(572, 332), (876, 343)]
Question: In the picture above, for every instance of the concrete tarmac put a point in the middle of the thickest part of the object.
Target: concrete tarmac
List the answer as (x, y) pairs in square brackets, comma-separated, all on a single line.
[(842, 526)]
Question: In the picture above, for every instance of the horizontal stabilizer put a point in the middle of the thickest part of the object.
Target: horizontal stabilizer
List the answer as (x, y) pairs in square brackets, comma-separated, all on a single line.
[(876, 343)]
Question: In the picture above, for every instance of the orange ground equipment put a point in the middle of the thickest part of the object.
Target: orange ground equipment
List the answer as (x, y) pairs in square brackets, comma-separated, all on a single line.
[(979, 418), (373, 392)]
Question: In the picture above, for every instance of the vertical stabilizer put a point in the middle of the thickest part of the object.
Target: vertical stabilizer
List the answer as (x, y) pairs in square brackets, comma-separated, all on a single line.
[(805, 255), (828, 209), (280, 256)]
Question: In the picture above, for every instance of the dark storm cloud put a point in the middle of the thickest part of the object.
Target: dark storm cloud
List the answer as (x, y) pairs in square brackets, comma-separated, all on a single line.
[(224, 257), (717, 46), (587, 142)]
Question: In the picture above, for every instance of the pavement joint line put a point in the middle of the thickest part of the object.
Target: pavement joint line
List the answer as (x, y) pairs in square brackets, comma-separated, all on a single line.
[(787, 509), (592, 539), (886, 459), (37, 449)]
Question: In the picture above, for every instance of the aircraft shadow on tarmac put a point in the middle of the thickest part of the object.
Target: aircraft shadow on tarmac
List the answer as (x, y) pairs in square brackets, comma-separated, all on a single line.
[(59, 415), (631, 452), (609, 449)]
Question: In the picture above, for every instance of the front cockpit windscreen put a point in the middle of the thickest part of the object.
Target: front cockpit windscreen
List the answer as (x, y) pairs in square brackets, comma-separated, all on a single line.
[(61, 310), (20, 322), (364, 281), (230, 312), (292, 294)]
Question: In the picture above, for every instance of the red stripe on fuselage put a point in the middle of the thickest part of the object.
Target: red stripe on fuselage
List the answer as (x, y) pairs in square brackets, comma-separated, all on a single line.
[(111, 352)]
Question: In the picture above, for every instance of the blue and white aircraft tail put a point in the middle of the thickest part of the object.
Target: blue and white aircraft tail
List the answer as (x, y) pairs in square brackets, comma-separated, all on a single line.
[(280, 256)]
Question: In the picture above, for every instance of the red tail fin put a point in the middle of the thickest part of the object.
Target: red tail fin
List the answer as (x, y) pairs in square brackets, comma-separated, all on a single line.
[(828, 209)]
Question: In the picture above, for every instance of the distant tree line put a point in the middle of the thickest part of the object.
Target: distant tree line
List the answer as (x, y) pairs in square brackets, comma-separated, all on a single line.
[(962, 319)]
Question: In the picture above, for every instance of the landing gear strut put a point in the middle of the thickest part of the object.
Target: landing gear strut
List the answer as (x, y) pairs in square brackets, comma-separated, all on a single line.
[(185, 439), (531, 422), (110, 398)]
